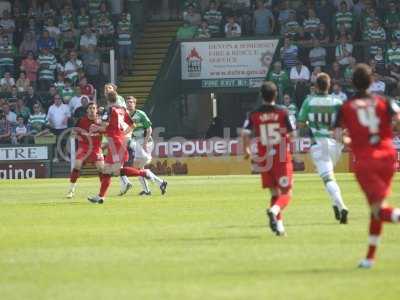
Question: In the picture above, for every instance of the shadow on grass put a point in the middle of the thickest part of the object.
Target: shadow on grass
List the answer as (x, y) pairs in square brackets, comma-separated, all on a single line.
[(62, 203), (313, 224), (283, 272), (239, 226), (267, 226), (210, 239)]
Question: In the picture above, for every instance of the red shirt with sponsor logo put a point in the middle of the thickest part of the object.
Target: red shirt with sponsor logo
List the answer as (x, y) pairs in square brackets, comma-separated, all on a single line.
[(369, 124), (118, 122), (271, 126), (84, 124)]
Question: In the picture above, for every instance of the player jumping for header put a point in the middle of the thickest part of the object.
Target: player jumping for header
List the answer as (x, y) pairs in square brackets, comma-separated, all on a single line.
[(273, 131), (369, 120), (319, 113)]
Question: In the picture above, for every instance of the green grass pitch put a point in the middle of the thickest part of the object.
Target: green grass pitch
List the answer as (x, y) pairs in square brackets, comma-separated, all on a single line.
[(205, 239)]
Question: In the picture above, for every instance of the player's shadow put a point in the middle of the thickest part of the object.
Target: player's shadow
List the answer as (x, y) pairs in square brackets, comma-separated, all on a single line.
[(210, 239), (285, 272), (312, 224), (61, 203), (322, 271), (239, 226)]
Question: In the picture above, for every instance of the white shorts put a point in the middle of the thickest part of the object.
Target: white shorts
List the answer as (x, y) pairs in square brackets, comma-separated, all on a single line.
[(325, 154), (139, 153)]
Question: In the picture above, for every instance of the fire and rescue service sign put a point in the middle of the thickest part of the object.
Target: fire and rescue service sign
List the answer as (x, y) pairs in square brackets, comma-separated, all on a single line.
[(227, 59)]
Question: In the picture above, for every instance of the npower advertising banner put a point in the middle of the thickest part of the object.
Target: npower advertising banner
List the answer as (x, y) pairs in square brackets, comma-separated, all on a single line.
[(227, 59)]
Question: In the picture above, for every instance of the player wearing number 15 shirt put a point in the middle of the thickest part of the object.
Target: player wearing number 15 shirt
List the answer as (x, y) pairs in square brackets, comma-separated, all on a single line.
[(272, 130), (368, 120)]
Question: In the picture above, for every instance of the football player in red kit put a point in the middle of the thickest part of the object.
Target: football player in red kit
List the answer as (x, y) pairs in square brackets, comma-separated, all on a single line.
[(116, 124), (89, 146), (368, 120), (273, 131)]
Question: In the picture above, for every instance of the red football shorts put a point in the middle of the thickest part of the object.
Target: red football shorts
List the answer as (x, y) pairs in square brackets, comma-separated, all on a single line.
[(279, 176), (89, 155), (117, 151), (375, 177)]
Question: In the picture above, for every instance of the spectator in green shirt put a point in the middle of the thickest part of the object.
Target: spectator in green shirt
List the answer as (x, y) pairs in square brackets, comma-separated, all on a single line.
[(186, 31), (392, 17), (203, 31), (280, 78), (83, 20), (21, 109)]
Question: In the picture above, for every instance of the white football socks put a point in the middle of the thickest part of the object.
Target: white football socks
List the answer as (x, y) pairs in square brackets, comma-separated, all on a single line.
[(153, 177), (396, 215), (72, 187), (279, 226), (336, 196), (275, 209), (144, 184), (123, 180)]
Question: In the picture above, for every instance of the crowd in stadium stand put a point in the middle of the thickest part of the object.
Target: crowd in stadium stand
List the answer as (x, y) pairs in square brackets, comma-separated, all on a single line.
[(54, 56), (318, 36)]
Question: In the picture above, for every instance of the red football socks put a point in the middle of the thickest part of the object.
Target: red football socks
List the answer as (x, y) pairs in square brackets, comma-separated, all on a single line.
[(282, 201), (105, 184), (74, 175), (375, 230), (390, 214), (132, 172)]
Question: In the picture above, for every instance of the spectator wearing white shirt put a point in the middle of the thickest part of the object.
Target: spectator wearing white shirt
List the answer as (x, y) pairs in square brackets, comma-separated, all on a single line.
[(337, 92), (19, 132), (7, 82), (75, 101), (88, 39), (57, 117), (377, 86), (72, 66), (53, 30), (58, 114), (300, 76), (10, 115), (232, 29), (299, 73)]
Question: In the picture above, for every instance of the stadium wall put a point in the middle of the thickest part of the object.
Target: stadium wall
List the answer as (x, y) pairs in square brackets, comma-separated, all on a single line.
[(25, 162), (229, 165)]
